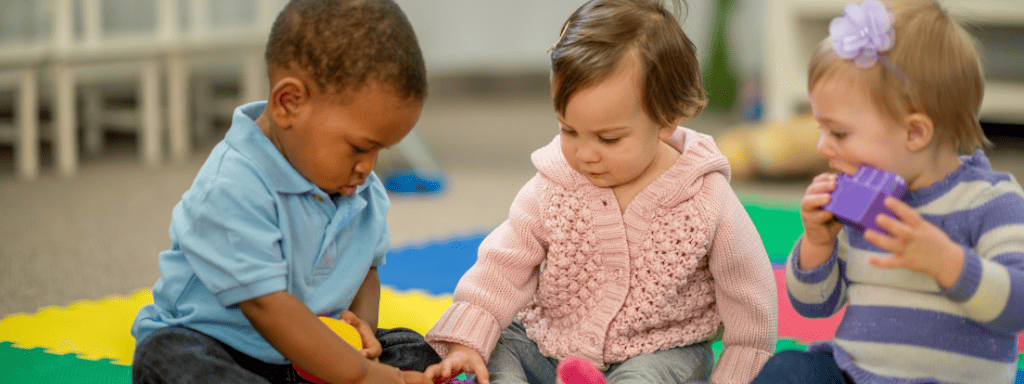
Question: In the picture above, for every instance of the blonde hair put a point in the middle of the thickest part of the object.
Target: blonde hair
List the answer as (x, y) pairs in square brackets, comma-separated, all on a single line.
[(935, 70), (601, 32)]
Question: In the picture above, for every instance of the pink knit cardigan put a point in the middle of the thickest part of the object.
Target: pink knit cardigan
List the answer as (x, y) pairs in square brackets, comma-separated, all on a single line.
[(682, 262)]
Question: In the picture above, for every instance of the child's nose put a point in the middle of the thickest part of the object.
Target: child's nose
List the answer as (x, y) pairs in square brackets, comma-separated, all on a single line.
[(365, 164), (824, 147), (587, 154)]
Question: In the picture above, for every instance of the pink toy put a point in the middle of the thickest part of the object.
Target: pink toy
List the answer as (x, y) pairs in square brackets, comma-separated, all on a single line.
[(575, 370), (858, 200)]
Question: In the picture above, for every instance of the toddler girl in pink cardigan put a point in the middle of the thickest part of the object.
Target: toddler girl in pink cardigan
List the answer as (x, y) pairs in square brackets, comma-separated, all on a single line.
[(628, 248)]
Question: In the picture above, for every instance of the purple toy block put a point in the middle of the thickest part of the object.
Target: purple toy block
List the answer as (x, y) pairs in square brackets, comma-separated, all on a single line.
[(858, 200)]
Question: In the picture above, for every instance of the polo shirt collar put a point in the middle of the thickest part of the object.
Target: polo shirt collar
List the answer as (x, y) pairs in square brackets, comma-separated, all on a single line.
[(250, 140)]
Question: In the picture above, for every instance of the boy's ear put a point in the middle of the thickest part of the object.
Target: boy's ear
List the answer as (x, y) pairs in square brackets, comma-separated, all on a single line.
[(919, 131), (288, 100)]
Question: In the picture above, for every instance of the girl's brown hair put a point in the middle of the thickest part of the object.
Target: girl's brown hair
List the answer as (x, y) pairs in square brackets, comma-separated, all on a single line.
[(936, 71), (601, 32)]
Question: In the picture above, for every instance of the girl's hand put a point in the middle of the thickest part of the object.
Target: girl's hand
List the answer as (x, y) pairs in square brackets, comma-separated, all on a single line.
[(916, 244), (820, 226), (460, 359), (371, 346)]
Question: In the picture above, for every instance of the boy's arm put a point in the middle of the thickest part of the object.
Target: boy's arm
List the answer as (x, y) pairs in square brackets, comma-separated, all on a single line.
[(366, 304), (366, 307), (745, 292), (288, 325)]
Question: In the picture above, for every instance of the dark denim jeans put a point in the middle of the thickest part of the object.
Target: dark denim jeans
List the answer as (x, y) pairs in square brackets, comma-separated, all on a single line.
[(182, 355), (799, 367)]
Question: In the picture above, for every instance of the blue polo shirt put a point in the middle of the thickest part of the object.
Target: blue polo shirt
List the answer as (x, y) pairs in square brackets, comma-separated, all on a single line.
[(252, 225)]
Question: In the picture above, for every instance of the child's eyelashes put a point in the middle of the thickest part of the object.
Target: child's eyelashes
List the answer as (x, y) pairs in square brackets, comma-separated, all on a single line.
[(602, 139), (835, 134), (359, 150)]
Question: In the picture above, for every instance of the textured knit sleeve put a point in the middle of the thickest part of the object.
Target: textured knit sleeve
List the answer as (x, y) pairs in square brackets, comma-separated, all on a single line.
[(991, 285), (744, 289), (500, 284)]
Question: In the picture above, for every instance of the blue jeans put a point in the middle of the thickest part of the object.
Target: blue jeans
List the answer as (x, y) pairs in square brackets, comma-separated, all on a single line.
[(797, 367), (517, 359), (183, 355)]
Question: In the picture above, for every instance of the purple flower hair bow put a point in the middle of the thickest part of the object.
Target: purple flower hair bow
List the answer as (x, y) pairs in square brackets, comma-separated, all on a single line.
[(862, 33)]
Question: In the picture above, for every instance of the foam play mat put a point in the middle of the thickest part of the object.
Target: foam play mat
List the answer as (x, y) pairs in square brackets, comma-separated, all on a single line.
[(89, 341)]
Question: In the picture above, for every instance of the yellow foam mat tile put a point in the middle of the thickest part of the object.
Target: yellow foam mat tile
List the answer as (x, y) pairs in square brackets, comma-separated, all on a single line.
[(96, 330)]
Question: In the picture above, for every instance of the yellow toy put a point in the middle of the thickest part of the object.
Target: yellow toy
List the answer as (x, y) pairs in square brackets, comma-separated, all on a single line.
[(347, 333), (777, 150)]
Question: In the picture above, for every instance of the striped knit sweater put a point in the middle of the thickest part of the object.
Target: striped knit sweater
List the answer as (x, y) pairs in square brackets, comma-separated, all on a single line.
[(900, 326)]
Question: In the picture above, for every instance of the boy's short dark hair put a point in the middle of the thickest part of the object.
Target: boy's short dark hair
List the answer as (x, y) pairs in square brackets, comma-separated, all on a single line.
[(342, 44), (601, 32)]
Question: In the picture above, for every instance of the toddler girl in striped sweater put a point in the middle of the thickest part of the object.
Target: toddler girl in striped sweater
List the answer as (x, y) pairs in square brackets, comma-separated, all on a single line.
[(937, 297)]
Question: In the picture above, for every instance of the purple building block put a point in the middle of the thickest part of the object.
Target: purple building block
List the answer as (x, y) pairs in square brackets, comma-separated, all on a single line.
[(858, 200)]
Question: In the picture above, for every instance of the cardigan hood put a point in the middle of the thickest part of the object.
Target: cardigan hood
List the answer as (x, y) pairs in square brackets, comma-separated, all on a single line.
[(698, 156)]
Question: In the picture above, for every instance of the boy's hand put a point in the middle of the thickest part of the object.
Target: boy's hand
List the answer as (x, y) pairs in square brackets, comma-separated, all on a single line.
[(916, 244), (460, 359), (820, 226), (371, 346), (413, 377)]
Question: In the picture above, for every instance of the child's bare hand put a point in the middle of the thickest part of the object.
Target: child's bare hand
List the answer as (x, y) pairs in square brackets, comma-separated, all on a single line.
[(460, 359), (820, 226), (916, 244), (371, 346), (413, 377)]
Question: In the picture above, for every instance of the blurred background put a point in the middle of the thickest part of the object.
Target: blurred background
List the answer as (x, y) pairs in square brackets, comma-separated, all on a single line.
[(109, 107)]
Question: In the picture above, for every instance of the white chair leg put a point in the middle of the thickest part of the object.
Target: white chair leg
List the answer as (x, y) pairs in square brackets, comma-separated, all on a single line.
[(28, 125), (149, 113), (66, 143), (177, 105)]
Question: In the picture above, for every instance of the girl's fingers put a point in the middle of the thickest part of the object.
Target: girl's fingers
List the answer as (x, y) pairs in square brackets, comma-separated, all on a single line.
[(905, 212), (814, 202), (885, 242), (895, 227), (886, 262)]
